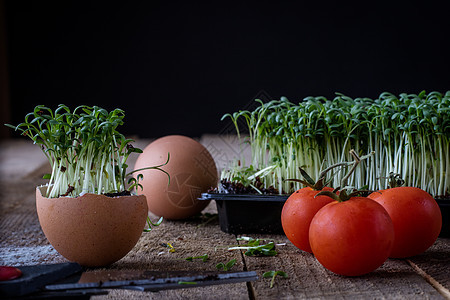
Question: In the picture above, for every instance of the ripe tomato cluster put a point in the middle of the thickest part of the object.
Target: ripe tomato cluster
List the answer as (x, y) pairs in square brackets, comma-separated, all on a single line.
[(353, 235)]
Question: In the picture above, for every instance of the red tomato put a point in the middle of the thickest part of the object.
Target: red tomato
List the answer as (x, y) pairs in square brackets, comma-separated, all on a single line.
[(353, 237), (416, 217), (297, 213)]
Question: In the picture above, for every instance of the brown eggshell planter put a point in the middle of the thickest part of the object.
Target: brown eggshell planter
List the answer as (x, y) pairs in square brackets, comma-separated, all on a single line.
[(92, 230), (245, 213)]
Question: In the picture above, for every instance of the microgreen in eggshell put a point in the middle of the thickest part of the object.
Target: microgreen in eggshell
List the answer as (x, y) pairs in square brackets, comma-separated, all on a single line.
[(86, 152)]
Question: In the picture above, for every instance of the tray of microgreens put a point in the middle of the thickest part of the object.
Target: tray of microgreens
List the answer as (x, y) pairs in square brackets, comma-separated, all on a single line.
[(409, 135)]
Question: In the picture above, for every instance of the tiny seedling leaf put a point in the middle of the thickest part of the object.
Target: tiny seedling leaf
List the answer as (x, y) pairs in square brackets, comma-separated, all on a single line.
[(150, 223), (227, 266), (273, 274), (187, 282), (204, 258), (253, 247)]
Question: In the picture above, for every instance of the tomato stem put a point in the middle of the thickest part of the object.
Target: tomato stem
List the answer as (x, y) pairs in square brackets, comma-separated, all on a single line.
[(343, 195)]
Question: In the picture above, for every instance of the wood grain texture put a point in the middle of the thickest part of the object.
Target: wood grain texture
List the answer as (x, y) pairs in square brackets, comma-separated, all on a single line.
[(22, 242), (309, 280)]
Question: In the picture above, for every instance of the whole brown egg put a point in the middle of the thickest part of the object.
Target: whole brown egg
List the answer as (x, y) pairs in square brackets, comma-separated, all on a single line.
[(192, 171)]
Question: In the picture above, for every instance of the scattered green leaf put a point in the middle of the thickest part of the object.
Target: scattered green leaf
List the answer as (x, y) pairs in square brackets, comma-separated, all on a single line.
[(254, 248), (204, 258), (227, 266), (273, 274), (150, 223), (187, 282)]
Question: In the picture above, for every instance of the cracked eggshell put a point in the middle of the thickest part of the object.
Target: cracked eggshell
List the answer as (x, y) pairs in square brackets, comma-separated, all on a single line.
[(92, 230), (192, 171)]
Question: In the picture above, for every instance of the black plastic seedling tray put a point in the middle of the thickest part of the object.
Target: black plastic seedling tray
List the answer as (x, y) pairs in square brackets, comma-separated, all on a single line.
[(240, 214), (444, 205), (262, 213)]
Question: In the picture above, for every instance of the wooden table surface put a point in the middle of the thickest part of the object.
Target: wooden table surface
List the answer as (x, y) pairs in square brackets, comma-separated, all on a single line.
[(22, 242)]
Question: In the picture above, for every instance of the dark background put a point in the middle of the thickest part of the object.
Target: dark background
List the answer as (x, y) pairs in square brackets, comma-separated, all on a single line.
[(176, 67)]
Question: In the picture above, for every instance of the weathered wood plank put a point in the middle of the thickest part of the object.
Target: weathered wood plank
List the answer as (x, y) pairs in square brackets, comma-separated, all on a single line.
[(309, 280), (189, 238), (22, 242), (434, 265), (394, 279)]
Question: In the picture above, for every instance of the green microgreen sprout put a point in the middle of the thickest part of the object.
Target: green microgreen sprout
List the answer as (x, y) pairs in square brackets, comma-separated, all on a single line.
[(253, 247), (227, 266), (409, 134), (134, 182), (273, 274), (203, 257), (150, 223), (187, 282), (86, 152)]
